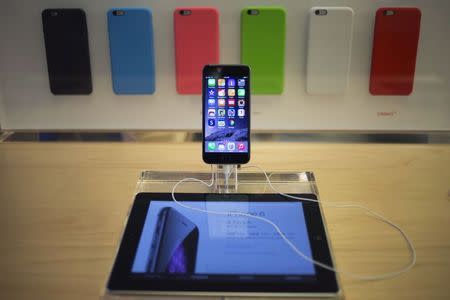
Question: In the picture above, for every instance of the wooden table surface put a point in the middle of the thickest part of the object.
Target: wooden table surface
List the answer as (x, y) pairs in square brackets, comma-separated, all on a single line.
[(62, 207)]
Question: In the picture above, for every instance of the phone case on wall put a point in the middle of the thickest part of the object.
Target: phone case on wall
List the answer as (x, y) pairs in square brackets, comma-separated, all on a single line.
[(395, 41), (263, 31), (329, 50), (196, 31), (131, 48), (67, 51)]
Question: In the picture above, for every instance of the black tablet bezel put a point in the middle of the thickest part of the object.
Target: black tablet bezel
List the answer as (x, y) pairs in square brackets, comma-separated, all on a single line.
[(121, 279)]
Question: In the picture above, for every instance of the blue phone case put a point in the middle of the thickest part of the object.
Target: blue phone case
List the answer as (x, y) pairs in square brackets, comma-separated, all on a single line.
[(131, 48)]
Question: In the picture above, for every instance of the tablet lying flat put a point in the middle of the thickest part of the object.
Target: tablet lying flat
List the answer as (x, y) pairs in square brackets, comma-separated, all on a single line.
[(170, 249)]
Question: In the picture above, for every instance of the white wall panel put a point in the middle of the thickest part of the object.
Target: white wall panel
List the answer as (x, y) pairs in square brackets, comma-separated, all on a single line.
[(26, 101)]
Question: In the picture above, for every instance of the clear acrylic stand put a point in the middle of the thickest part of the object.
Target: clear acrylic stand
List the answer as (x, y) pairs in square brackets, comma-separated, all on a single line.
[(247, 182), (229, 179), (225, 178)]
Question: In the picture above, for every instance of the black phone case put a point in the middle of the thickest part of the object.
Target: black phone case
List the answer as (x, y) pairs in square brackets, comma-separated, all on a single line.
[(67, 51)]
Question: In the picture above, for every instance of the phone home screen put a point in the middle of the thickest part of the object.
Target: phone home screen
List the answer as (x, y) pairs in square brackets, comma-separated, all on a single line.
[(226, 114)]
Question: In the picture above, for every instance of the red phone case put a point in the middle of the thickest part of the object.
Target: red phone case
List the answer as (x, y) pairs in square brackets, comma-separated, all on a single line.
[(196, 45), (395, 41)]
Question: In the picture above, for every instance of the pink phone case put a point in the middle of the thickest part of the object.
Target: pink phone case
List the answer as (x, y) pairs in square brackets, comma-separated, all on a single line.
[(196, 31)]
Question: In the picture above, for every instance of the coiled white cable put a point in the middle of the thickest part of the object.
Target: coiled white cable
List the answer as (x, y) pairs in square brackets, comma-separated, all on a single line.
[(369, 211)]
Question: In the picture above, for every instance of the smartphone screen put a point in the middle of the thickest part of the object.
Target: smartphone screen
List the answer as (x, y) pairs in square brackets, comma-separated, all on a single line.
[(226, 114)]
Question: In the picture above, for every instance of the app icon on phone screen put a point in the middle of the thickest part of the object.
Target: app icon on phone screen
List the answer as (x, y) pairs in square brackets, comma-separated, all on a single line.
[(211, 82), (221, 82), (231, 82), (211, 122), (211, 146), (241, 82)]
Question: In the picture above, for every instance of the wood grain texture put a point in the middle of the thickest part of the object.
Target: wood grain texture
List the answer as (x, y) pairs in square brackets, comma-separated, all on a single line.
[(62, 208)]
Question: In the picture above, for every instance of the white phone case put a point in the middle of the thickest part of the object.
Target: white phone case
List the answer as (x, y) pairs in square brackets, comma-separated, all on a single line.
[(329, 50)]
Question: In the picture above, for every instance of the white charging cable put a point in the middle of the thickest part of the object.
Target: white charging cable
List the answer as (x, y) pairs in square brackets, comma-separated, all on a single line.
[(369, 211)]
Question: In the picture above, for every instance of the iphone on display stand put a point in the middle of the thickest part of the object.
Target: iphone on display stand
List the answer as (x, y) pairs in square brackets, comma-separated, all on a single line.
[(226, 114)]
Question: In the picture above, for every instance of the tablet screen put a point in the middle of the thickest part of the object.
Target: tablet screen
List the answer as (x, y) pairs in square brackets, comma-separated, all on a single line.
[(167, 247), (178, 240)]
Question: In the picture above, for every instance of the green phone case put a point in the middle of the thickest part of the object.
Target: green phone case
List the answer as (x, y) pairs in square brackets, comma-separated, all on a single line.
[(262, 47)]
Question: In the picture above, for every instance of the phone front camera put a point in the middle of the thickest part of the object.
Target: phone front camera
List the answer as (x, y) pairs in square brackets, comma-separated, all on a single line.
[(185, 12), (54, 13), (317, 12), (253, 12)]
